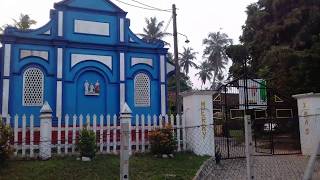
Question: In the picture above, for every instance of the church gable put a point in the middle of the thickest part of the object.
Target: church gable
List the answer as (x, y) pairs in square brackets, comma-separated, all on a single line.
[(103, 24), (98, 5)]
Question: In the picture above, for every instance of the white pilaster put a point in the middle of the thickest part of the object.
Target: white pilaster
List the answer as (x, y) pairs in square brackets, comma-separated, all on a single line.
[(162, 68), (122, 93), (60, 23), (7, 59), (5, 97), (59, 99), (59, 82), (163, 99), (122, 68), (122, 78), (163, 87), (59, 62), (121, 30)]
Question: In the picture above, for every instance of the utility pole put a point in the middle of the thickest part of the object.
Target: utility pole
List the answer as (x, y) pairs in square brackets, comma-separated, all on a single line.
[(176, 58)]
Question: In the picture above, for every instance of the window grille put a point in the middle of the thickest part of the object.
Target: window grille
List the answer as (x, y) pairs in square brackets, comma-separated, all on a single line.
[(33, 82), (142, 90)]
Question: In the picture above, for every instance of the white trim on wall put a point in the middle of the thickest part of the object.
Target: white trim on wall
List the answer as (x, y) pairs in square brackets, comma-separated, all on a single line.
[(78, 58), (59, 99), (5, 97), (163, 99), (47, 32), (162, 68), (91, 27), (147, 61), (60, 23), (7, 59), (59, 62), (121, 30), (122, 94), (122, 67), (27, 53)]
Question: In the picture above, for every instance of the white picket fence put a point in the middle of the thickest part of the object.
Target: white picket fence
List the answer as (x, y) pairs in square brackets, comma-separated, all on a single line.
[(107, 128)]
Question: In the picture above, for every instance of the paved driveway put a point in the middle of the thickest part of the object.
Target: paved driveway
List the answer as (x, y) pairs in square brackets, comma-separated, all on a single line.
[(288, 167)]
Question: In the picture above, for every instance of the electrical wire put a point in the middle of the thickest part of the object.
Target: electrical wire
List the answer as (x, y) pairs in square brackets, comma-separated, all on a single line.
[(151, 9), (150, 6)]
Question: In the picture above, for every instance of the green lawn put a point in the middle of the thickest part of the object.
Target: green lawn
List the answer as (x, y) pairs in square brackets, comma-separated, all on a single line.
[(183, 166)]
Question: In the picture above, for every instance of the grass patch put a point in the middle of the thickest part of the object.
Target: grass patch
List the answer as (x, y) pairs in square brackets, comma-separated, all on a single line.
[(183, 166)]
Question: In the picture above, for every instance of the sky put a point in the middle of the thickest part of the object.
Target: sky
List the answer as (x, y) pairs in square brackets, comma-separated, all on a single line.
[(195, 19)]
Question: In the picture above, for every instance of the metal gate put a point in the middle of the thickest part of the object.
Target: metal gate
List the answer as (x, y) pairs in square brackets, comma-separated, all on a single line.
[(274, 116)]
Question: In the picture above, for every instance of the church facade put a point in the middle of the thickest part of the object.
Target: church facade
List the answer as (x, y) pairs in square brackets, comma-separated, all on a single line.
[(85, 60)]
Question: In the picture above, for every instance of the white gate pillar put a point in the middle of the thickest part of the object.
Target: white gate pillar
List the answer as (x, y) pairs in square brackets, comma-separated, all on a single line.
[(125, 122), (198, 113), (309, 121), (45, 131)]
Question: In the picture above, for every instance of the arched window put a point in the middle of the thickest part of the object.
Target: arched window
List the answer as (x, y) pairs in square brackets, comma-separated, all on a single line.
[(33, 87), (142, 90)]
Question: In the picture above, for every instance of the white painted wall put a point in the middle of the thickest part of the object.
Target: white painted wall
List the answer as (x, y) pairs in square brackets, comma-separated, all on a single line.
[(199, 140), (309, 121)]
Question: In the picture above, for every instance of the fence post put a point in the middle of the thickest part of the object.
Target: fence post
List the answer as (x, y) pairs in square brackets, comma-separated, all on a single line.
[(45, 131), (125, 119), (249, 146)]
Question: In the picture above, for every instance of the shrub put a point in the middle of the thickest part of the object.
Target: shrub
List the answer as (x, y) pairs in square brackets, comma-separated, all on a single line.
[(5, 149), (162, 141), (87, 143)]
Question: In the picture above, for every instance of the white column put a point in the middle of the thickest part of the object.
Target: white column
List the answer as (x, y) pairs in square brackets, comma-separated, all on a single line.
[(198, 110), (59, 82), (249, 147), (7, 60), (309, 121), (163, 87), (122, 79), (45, 131), (121, 30), (6, 82), (5, 97), (60, 23), (125, 119)]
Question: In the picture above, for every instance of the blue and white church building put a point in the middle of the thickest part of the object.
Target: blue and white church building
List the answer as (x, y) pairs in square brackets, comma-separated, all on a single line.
[(85, 60)]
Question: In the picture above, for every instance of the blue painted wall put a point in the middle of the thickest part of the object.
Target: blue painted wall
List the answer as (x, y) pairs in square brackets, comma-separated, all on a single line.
[(74, 100)]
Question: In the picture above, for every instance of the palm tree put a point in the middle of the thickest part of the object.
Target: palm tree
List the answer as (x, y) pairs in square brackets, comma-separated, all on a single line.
[(205, 72), (186, 59), (24, 22), (215, 52), (153, 31)]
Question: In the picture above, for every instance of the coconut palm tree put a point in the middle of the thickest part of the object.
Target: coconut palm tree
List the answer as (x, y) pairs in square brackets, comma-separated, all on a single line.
[(24, 22), (215, 52), (205, 72), (186, 59), (153, 30)]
